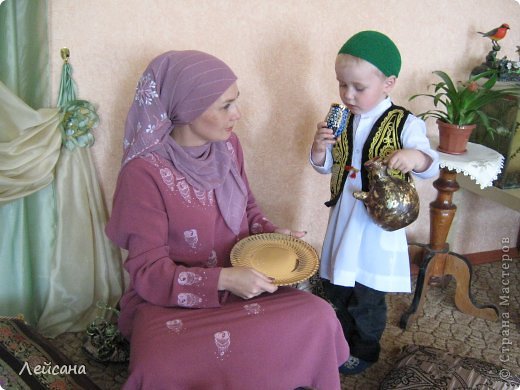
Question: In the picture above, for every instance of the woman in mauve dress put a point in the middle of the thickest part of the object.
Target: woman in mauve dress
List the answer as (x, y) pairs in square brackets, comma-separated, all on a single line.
[(182, 201)]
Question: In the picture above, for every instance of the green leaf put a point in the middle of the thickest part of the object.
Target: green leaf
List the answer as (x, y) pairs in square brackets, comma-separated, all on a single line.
[(421, 94), (450, 87), (491, 82), (458, 105)]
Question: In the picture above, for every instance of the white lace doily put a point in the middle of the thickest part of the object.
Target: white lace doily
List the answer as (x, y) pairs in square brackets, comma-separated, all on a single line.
[(480, 163)]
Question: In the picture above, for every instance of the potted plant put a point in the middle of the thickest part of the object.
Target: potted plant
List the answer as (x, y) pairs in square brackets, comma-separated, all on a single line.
[(459, 107)]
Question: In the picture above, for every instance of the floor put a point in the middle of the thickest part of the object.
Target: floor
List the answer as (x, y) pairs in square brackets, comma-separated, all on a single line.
[(441, 326)]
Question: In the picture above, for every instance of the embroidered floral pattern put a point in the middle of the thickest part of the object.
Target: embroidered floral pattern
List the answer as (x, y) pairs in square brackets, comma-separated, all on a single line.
[(212, 259), (200, 195), (150, 128), (146, 90), (253, 308), (210, 198), (233, 153), (188, 300), (174, 181), (175, 325), (150, 157), (184, 190), (230, 148), (167, 177), (191, 237), (188, 278), (257, 228), (222, 342)]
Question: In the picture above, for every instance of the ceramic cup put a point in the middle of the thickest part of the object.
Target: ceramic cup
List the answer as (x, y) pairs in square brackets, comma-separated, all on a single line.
[(337, 118)]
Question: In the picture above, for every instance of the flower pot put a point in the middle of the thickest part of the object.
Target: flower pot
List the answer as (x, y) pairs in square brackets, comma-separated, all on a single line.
[(453, 139)]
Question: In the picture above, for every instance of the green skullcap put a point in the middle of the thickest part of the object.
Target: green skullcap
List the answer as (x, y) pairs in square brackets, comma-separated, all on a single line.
[(376, 48)]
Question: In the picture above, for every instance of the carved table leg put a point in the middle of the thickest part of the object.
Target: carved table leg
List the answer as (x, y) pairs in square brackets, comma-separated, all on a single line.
[(437, 262), (460, 268), (425, 273), (442, 212)]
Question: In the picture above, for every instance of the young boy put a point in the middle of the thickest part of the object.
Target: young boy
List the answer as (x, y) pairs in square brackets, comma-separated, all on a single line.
[(360, 261)]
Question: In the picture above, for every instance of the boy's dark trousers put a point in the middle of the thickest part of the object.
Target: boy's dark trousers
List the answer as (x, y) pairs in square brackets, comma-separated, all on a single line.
[(362, 313)]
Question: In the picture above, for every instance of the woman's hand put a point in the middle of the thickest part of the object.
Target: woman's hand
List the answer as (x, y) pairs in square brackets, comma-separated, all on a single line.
[(245, 282), (289, 232), (323, 137)]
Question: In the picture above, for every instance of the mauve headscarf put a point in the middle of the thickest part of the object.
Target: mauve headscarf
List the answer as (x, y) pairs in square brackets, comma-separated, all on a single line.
[(176, 88)]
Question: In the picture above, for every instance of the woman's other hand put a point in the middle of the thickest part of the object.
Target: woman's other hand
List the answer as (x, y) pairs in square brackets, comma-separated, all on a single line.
[(289, 232), (245, 282)]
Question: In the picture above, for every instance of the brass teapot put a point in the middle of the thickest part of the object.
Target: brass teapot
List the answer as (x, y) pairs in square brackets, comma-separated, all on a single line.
[(393, 203)]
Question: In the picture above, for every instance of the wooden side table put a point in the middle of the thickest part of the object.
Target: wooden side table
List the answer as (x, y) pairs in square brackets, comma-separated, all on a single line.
[(482, 165)]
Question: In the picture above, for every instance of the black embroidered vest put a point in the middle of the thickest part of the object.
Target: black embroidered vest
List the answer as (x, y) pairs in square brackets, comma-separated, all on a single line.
[(384, 138)]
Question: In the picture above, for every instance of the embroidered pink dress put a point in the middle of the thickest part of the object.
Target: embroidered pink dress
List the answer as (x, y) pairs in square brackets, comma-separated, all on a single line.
[(184, 333)]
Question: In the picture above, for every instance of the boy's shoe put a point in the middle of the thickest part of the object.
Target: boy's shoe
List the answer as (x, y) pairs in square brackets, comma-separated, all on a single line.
[(354, 366)]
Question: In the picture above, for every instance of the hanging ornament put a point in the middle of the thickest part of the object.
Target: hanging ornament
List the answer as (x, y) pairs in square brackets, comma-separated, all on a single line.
[(79, 117)]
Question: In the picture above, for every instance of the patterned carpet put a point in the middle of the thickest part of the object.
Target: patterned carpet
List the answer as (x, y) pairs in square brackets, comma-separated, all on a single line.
[(441, 326), (444, 327)]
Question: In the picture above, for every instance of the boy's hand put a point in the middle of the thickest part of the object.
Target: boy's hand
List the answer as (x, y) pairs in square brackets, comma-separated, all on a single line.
[(323, 137), (407, 160)]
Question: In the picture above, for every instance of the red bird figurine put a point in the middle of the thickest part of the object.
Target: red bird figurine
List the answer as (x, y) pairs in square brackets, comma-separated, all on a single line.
[(496, 34)]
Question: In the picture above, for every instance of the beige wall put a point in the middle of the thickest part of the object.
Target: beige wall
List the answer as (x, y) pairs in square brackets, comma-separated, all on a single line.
[(283, 53)]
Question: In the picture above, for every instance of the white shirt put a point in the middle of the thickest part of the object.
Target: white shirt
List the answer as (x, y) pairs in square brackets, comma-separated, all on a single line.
[(355, 249)]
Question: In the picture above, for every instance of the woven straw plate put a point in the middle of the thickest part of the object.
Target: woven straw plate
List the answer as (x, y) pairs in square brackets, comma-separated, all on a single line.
[(287, 259)]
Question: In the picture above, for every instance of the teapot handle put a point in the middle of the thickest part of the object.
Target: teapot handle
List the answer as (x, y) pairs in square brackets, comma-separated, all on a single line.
[(407, 176)]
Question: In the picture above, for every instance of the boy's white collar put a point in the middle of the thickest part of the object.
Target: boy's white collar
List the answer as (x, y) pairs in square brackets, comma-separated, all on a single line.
[(381, 107)]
